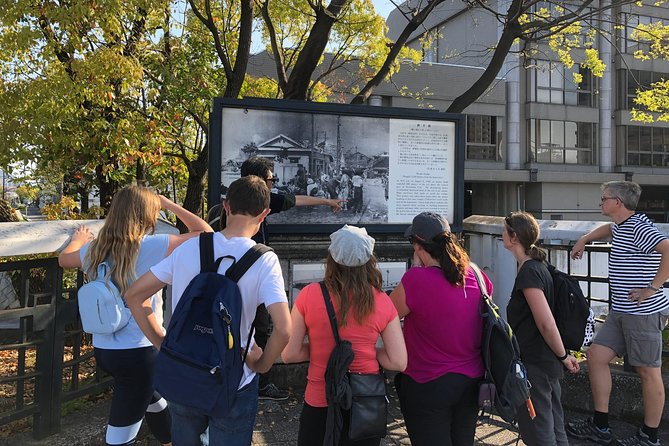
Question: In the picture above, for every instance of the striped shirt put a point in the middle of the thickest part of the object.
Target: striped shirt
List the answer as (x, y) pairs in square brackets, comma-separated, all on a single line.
[(633, 263)]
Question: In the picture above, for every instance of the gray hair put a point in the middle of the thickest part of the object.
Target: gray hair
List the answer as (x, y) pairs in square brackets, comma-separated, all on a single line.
[(627, 192)]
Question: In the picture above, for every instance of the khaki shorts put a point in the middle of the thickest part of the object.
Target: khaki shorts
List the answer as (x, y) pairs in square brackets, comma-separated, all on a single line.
[(637, 336)]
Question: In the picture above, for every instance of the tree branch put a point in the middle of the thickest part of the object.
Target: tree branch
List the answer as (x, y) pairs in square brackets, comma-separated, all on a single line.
[(510, 33), (208, 22), (410, 27), (278, 54)]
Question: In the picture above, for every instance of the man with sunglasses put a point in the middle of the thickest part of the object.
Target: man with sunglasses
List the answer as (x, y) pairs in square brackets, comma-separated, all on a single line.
[(278, 202), (638, 268)]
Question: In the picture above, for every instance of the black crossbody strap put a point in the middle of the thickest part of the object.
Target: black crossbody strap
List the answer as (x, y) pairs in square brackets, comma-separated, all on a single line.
[(331, 312), (207, 263)]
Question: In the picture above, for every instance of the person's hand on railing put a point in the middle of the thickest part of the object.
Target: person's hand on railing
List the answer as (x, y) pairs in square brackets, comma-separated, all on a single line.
[(577, 250), (82, 236)]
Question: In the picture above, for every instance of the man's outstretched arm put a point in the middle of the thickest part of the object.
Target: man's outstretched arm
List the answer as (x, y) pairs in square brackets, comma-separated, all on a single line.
[(305, 200)]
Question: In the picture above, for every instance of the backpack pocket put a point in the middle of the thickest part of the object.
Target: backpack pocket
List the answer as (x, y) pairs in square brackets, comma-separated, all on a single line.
[(514, 392), (101, 308), (369, 406), (191, 384)]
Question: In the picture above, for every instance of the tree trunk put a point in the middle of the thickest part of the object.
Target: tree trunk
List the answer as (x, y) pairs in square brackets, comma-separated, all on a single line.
[(83, 197), (197, 178), (107, 187), (236, 79), (140, 172), (307, 61)]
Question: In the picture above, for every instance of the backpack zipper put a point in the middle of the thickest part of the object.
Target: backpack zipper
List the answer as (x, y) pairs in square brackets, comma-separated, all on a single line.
[(212, 371)]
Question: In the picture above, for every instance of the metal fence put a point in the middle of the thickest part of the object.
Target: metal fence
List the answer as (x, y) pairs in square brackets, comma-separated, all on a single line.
[(46, 359)]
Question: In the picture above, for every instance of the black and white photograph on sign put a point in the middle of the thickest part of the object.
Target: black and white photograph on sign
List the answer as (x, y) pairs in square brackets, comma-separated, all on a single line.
[(306, 273), (384, 170)]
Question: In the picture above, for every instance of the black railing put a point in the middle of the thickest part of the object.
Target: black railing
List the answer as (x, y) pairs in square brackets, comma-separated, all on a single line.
[(47, 359), (558, 255)]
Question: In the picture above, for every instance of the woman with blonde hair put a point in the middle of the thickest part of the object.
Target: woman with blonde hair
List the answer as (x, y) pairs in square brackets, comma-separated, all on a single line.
[(127, 243), (541, 349), (363, 313), (439, 298)]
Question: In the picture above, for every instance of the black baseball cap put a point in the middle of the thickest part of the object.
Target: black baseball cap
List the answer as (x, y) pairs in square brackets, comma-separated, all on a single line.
[(426, 226)]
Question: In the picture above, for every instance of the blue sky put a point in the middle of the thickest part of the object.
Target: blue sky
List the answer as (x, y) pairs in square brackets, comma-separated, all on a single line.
[(383, 7)]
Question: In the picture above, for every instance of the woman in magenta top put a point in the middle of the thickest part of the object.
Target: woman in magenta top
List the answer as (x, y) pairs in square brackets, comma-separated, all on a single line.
[(439, 299), (363, 314)]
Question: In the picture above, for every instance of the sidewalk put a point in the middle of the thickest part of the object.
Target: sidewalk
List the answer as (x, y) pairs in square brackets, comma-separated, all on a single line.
[(277, 425)]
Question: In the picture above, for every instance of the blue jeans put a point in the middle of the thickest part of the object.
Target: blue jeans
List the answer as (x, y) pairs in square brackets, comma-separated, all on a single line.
[(234, 430)]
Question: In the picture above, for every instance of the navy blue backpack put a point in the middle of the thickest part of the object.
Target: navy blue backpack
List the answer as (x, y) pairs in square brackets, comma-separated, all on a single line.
[(200, 363)]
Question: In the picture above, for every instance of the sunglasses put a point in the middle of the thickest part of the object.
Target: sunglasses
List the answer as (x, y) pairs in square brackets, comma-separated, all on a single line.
[(507, 221), (272, 180)]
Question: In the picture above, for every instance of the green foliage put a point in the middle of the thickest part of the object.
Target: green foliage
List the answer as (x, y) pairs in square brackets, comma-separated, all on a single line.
[(653, 100)]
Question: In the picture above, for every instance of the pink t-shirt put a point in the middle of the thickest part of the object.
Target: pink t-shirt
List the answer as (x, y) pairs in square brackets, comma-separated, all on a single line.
[(363, 337), (444, 327)]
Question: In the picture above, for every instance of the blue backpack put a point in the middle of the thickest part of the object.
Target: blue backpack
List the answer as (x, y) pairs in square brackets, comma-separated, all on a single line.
[(101, 307), (200, 363)]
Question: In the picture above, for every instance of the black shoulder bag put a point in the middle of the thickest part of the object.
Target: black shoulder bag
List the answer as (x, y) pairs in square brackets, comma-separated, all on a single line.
[(369, 404)]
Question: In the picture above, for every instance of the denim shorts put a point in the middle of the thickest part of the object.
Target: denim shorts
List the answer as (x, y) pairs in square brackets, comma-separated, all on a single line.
[(637, 336)]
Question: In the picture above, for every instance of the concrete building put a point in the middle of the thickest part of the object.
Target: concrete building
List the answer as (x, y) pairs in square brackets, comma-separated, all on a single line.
[(537, 141)]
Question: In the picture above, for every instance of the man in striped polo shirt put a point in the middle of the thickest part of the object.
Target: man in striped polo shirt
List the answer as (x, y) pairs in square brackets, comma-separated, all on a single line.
[(638, 267)]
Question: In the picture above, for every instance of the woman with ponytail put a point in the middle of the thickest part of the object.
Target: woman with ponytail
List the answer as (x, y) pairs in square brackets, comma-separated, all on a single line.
[(439, 299), (127, 243), (529, 314)]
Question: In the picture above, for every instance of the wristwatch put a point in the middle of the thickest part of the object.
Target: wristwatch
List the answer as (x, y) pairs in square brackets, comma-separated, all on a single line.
[(650, 285)]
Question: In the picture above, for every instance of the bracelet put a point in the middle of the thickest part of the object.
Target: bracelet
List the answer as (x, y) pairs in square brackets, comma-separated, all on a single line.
[(562, 358), (650, 285)]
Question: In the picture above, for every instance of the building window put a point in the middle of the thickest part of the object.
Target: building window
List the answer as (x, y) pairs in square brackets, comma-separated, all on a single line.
[(633, 80), (482, 138), (629, 44), (647, 146), (430, 45), (562, 142), (553, 83)]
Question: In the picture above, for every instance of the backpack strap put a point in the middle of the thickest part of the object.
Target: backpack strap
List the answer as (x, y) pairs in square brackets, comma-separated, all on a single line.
[(479, 280), (239, 268), (207, 263), (331, 312)]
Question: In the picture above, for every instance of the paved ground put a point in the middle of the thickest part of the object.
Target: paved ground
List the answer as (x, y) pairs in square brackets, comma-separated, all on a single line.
[(276, 425)]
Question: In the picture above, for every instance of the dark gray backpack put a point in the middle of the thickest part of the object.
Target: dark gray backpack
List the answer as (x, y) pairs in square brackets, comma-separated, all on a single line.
[(501, 357)]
